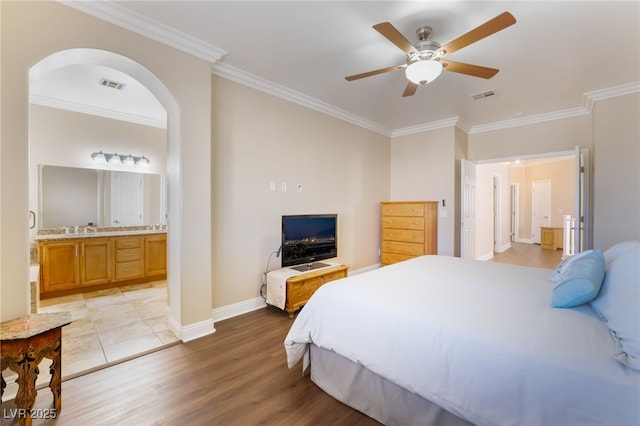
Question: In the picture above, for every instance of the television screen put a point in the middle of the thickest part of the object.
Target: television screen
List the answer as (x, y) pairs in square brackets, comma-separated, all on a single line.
[(307, 238)]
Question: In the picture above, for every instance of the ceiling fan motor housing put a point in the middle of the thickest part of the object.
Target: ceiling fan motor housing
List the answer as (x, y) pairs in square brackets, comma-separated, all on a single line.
[(427, 50)]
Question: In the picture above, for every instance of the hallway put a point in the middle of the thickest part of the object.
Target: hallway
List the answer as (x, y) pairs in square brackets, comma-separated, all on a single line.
[(526, 254)]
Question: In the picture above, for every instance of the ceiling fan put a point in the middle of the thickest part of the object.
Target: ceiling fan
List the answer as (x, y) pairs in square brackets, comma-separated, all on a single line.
[(424, 60)]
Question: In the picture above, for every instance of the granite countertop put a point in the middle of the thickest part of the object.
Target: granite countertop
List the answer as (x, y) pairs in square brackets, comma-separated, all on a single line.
[(32, 325), (98, 234)]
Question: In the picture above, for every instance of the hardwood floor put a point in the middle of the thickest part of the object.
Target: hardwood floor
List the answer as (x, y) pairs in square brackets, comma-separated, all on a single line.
[(236, 376), (529, 255)]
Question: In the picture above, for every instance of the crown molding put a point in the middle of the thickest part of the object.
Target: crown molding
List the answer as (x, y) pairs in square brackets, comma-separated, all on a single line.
[(92, 110), (538, 118), (613, 92), (117, 15), (589, 99), (247, 79), (440, 124)]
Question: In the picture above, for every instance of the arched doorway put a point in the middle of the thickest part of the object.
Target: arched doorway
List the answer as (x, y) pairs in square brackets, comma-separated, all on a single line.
[(173, 173)]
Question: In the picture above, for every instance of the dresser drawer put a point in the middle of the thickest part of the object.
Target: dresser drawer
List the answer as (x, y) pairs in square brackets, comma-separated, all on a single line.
[(128, 255), (406, 235), (389, 258), (404, 209), (403, 222), (412, 249), (125, 243)]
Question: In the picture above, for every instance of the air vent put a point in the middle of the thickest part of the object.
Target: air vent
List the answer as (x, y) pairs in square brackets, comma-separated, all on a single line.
[(484, 95), (112, 84)]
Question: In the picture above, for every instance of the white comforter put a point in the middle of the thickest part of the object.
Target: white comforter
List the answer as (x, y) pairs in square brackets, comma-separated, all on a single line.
[(480, 339)]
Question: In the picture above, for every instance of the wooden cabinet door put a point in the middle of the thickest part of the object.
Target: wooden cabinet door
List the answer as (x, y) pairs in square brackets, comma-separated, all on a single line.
[(155, 255), (59, 265), (96, 262)]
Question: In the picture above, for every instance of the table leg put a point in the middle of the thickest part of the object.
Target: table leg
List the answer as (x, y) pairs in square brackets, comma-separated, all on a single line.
[(56, 378), (27, 369)]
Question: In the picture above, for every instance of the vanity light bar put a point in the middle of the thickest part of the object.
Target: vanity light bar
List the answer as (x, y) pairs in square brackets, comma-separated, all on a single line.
[(127, 160)]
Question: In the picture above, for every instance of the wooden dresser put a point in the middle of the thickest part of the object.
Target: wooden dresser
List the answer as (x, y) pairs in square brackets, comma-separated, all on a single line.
[(409, 229)]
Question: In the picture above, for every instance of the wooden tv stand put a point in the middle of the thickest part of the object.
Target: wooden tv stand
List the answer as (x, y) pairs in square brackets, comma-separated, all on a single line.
[(301, 287)]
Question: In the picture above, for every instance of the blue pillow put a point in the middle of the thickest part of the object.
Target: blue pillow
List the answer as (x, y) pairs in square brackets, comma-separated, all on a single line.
[(580, 282)]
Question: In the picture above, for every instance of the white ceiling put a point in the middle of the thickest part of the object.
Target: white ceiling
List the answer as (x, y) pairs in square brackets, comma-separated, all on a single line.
[(550, 61)]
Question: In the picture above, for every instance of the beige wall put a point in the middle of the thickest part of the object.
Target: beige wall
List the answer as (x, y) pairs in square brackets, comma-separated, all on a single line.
[(561, 174), (550, 136), (259, 139), (423, 167), (616, 194), (30, 32)]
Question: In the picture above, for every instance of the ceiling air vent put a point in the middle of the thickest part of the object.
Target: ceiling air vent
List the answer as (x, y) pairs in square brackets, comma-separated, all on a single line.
[(112, 84), (484, 95)]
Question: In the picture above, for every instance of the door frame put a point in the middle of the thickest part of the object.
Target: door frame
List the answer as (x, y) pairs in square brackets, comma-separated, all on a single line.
[(584, 167)]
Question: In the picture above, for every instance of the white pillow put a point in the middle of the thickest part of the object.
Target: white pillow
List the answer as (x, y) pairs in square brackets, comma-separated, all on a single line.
[(613, 252), (618, 304), (564, 265)]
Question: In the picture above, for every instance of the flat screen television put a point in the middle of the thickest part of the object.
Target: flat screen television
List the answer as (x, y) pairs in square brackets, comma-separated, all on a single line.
[(307, 239)]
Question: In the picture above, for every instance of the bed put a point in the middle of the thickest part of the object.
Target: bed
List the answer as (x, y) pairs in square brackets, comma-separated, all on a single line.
[(445, 341)]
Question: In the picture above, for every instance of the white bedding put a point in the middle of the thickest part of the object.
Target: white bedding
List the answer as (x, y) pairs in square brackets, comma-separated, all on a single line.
[(480, 339)]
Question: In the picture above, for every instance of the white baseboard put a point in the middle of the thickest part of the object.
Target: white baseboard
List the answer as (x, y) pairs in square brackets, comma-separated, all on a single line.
[(524, 240), (191, 331), (235, 309), (365, 269), (505, 247), (250, 305), (486, 256)]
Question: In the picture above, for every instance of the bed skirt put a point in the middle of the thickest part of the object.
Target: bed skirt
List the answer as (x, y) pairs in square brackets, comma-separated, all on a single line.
[(373, 395)]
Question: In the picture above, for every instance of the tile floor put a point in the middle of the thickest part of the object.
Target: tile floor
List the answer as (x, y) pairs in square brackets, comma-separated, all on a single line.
[(111, 325), (108, 326)]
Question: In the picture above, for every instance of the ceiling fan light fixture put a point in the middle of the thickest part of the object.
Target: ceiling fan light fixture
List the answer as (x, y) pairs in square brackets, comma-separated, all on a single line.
[(423, 71)]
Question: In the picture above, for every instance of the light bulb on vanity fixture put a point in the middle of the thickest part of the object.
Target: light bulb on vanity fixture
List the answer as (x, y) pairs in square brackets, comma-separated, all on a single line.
[(115, 159), (99, 157), (127, 160)]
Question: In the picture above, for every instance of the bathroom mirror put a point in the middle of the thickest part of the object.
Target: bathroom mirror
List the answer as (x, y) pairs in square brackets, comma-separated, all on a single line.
[(72, 196)]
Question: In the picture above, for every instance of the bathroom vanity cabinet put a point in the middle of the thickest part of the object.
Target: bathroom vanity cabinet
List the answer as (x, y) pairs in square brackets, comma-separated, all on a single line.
[(78, 264)]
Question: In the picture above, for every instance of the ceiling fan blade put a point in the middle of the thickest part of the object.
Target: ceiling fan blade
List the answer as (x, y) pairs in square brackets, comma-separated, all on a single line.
[(473, 70), (376, 72), (410, 90), (492, 26), (395, 37)]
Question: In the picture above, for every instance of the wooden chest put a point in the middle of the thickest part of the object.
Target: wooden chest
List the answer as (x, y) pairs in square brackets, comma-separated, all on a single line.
[(301, 287)]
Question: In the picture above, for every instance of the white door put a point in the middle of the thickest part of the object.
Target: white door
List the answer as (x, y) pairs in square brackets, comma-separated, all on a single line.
[(468, 210), (515, 211), (126, 199), (582, 231), (540, 208)]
